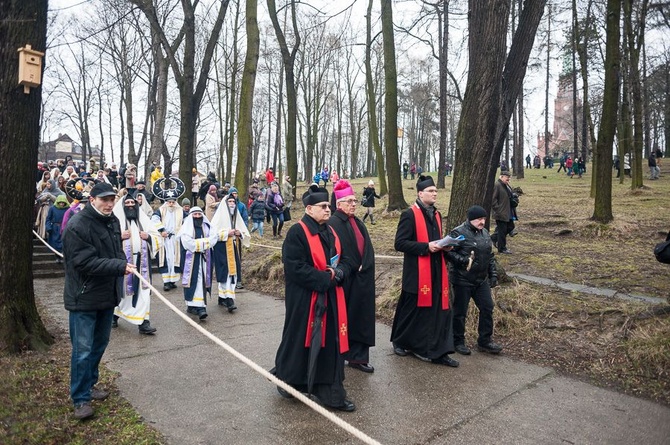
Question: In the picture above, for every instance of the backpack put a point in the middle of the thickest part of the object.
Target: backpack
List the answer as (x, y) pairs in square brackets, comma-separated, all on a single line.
[(662, 251)]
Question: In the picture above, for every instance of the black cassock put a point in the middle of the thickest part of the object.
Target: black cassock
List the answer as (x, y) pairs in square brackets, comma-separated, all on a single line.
[(424, 330), (302, 278), (359, 287)]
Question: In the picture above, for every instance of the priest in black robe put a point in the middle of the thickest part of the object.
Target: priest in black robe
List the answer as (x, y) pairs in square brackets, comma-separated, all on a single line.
[(422, 324), (359, 284), (314, 270)]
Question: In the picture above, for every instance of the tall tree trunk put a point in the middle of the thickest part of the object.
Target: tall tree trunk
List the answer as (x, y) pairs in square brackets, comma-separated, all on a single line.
[(443, 36), (494, 84), (288, 56), (232, 93), (245, 130), (602, 211), (372, 105), (396, 198), (20, 325)]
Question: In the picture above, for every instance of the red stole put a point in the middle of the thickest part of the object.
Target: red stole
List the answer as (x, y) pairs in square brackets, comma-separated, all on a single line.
[(425, 273), (320, 263)]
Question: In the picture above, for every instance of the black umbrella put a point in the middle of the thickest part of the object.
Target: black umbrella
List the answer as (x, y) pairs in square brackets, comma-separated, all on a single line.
[(315, 341)]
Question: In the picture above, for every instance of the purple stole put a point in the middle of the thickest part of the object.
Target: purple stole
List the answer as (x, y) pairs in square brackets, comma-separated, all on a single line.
[(189, 262)]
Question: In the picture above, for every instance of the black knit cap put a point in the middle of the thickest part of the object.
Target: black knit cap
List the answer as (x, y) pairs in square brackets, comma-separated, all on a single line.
[(314, 195), (476, 212), (424, 182)]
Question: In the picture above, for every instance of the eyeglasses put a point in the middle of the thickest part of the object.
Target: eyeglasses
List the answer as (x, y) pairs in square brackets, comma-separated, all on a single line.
[(351, 201), (322, 206)]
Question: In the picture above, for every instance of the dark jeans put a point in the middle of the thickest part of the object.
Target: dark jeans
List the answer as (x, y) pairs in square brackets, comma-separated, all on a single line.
[(89, 334), (482, 297), (499, 237)]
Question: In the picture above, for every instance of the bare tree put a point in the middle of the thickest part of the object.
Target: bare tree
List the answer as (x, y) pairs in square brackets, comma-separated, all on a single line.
[(20, 325), (494, 84), (396, 198)]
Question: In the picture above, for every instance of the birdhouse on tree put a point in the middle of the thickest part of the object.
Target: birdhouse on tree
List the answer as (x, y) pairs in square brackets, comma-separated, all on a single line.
[(30, 68)]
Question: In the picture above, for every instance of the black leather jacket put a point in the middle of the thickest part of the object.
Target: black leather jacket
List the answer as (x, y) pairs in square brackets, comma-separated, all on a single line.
[(94, 261), (483, 266)]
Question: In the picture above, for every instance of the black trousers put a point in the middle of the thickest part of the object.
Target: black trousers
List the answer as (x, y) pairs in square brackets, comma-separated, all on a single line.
[(499, 237), (481, 295)]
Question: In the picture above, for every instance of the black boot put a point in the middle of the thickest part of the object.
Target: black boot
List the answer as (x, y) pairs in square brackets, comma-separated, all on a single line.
[(281, 225), (365, 217), (274, 231), (372, 221), (146, 328), (115, 321)]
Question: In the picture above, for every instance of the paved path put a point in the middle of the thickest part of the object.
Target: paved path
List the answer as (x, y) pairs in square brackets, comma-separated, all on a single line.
[(195, 393)]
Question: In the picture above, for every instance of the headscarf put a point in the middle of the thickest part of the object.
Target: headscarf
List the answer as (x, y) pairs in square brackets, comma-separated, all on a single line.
[(54, 190), (212, 191), (61, 202)]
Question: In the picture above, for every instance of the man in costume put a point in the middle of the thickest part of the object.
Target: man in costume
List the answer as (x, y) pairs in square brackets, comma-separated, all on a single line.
[(359, 285), (168, 219), (233, 234), (422, 322), (472, 272), (196, 241), (141, 241), (244, 213), (314, 271)]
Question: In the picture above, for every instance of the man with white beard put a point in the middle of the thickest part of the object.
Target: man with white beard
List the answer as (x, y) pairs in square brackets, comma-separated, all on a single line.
[(233, 232), (140, 242), (197, 240), (168, 218)]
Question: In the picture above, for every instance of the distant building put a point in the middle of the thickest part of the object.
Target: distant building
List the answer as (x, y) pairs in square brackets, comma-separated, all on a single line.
[(64, 146), (561, 140)]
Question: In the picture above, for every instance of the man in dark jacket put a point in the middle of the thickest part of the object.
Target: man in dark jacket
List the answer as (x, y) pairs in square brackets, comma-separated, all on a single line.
[(472, 273), (359, 285), (94, 268), (503, 212)]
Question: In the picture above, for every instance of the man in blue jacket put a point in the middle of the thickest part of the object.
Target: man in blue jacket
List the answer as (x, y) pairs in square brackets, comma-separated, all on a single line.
[(94, 268)]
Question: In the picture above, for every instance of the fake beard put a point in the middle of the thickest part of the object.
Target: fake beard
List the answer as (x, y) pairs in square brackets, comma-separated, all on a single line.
[(231, 210), (197, 222), (131, 213)]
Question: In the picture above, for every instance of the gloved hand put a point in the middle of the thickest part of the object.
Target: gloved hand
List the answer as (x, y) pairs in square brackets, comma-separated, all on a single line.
[(493, 282), (339, 275)]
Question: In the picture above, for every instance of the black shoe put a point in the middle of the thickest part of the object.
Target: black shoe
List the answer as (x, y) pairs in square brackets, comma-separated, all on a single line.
[(513, 233), (421, 357), (146, 328), (192, 310), (115, 321), (399, 351), (490, 347), (348, 406), (230, 304), (285, 394), (172, 285), (239, 286), (463, 350), (202, 313), (365, 367), (506, 252), (446, 360), (222, 301), (167, 287)]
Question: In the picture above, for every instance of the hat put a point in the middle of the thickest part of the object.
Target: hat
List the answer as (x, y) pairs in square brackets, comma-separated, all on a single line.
[(314, 195), (476, 212), (342, 189), (185, 202), (140, 182), (232, 190), (159, 167), (371, 183), (195, 210), (102, 190), (505, 173), (424, 182)]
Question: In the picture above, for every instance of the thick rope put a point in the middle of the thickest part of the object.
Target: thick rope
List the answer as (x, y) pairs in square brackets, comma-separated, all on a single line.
[(285, 386)]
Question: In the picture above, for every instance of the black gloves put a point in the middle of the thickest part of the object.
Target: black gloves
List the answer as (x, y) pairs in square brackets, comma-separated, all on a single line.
[(493, 282), (339, 275)]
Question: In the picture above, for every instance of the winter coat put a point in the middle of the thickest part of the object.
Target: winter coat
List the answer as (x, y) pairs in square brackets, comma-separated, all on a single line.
[(94, 261), (369, 196), (501, 205), (274, 203), (483, 266), (257, 210)]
